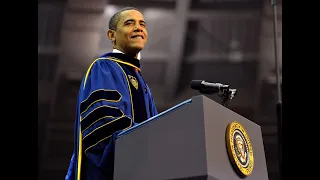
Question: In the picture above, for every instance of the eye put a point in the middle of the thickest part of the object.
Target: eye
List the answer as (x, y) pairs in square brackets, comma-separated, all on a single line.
[(128, 23)]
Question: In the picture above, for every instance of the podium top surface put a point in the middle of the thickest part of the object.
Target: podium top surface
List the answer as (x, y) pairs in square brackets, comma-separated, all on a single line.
[(137, 126), (154, 118)]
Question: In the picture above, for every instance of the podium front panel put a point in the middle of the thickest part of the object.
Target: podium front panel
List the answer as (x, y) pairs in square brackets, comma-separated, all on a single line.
[(217, 118)]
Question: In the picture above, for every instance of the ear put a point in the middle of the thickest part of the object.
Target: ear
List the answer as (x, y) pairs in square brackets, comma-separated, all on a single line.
[(111, 35)]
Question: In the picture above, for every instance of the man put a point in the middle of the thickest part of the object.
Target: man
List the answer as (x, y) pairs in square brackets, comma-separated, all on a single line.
[(113, 97)]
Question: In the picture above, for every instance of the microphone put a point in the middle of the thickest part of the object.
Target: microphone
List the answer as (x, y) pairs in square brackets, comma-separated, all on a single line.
[(211, 88), (207, 87)]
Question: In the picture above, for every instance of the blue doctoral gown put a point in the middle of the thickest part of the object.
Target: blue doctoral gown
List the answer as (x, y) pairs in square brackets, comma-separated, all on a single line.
[(113, 96)]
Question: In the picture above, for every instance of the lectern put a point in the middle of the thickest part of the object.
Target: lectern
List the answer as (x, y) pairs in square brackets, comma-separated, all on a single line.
[(198, 139)]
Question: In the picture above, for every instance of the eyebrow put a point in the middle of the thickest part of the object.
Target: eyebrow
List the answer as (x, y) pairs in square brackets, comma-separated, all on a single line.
[(134, 20)]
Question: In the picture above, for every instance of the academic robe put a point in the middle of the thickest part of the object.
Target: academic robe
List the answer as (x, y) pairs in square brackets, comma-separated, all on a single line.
[(113, 96)]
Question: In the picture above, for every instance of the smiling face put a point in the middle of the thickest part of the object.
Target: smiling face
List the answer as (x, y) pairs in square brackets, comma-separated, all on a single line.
[(131, 34)]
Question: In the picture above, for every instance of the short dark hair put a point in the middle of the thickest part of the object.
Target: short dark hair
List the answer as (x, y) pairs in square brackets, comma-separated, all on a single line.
[(116, 17)]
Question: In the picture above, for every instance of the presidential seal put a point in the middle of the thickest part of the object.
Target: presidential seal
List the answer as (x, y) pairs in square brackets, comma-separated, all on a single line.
[(239, 149)]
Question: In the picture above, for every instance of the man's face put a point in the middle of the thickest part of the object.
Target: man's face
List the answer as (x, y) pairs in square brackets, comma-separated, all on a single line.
[(131, 34)]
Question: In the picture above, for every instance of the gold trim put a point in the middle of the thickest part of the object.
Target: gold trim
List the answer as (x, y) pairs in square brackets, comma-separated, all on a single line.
[(101, 117), (119, 61), (85, 151), (98, 108), (99, 99), (109, 58), (88, 71), (125, 74), (79, 152)]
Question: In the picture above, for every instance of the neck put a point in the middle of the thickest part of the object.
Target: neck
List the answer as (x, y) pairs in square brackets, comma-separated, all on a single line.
[(131, 54), (135, 55)]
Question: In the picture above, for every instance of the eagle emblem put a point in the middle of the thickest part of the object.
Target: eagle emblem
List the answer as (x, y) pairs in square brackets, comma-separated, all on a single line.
[(133, 81)]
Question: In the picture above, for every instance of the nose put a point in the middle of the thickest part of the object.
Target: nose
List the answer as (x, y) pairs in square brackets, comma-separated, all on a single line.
[(137, 28)]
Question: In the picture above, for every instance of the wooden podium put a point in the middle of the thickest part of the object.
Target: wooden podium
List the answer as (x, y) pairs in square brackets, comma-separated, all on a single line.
[(198, 139)]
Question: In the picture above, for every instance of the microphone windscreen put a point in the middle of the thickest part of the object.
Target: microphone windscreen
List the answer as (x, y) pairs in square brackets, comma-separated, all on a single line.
[(196, 84)]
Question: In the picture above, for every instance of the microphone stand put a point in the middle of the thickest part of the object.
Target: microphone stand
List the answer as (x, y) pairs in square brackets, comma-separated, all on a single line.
[(226, 95), (279, 100)]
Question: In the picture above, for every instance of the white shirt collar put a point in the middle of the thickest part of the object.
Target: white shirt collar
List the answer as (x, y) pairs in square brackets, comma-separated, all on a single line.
[(117, 51)]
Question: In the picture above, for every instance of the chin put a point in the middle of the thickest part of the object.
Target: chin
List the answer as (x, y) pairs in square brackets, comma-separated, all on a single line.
[(137, 47)]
